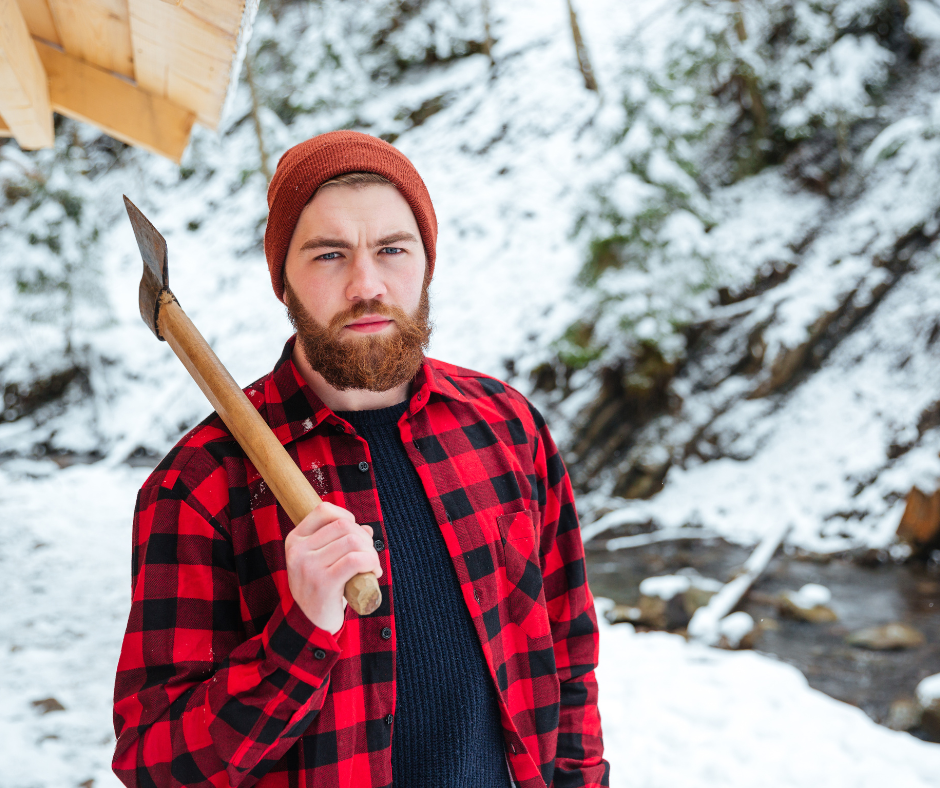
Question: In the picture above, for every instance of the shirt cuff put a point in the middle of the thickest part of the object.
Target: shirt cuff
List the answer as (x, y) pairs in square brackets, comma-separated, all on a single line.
[(295, 644)]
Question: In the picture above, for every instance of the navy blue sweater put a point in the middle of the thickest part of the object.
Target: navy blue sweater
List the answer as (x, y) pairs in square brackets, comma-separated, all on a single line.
[(447, 727)]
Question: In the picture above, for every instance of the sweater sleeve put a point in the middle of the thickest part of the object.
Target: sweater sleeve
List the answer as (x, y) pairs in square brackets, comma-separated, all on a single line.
[(579, 757), (196, 701)]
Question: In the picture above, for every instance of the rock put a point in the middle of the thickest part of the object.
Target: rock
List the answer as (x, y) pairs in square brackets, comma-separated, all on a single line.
[(665, 587), (808, 604), (669, 601), (887, 637), (694, 598), (48, 704), (920, 523), (737, 631), (928, 587), (928, 691), (904, 714), (928, 700), (622, 614), (653, 612)]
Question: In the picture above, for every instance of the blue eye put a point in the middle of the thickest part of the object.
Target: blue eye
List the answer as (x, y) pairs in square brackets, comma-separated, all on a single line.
[(392, 250), (329, 256)]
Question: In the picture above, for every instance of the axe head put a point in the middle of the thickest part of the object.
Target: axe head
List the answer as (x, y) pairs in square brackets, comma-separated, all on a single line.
[(156, 279)]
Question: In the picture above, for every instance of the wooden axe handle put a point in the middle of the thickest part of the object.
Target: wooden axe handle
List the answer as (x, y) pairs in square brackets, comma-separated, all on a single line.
[(282, 475)]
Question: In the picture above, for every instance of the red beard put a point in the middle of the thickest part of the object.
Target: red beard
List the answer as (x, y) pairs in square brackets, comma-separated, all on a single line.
[(374, 363)]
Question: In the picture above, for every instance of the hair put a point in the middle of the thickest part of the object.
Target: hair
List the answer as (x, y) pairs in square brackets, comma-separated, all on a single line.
[(355, 179)]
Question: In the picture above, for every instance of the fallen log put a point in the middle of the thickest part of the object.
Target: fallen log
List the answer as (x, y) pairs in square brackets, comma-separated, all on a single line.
[(705, 626)]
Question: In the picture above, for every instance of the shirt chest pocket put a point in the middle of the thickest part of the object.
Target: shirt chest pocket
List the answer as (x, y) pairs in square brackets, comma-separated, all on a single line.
[(523, 572)]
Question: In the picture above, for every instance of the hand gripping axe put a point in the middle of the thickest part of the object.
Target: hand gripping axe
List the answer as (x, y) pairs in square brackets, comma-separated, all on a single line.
[(163, 314)]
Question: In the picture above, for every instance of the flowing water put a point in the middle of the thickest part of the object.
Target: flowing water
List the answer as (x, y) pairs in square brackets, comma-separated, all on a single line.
[(865, 592)]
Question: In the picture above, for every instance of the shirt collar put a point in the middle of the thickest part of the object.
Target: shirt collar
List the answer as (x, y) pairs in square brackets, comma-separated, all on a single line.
[(294, 410)]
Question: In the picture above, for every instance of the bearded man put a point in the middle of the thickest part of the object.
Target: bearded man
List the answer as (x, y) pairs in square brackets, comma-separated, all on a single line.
[(478, 667)]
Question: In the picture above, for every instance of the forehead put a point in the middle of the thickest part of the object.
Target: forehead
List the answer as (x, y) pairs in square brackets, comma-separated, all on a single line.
[(376, 207)]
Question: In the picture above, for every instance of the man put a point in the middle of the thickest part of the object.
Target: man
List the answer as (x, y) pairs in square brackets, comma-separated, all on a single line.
[(242, 663)]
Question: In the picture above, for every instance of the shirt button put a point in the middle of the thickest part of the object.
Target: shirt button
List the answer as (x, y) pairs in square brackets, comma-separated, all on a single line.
[(340, 427), (388, 719), (319, 654), (476, 595), (386, 633), (379, 545), (363, 466)]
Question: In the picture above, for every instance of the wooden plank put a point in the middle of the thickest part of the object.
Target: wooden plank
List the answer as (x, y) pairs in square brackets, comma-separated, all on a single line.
[(96, 31), (84, 92), (24, 94), (4, 129), (39, 20), (185, 53)]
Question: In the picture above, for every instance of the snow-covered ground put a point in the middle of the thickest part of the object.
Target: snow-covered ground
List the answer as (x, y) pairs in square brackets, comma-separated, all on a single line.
[(673, 713)]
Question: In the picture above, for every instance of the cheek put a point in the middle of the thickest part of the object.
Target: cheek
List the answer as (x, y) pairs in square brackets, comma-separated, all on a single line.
[(409, 287)]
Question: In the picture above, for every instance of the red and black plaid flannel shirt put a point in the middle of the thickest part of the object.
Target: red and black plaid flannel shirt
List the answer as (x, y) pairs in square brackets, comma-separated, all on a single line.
[(224, 681)]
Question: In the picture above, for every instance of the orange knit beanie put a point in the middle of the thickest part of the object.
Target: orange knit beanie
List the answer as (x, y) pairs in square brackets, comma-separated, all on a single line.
[(305, 167)]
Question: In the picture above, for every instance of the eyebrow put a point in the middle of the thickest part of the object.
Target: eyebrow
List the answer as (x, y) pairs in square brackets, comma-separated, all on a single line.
[(396, 238), (320, 242)]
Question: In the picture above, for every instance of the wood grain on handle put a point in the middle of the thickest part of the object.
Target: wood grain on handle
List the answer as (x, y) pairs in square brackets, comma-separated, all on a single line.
[(265, 451)]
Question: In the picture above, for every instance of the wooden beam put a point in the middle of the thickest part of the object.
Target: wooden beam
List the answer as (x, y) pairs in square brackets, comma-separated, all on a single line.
[(84, 92), (185, 53), (39, 20), (96, 31), (24, 95)]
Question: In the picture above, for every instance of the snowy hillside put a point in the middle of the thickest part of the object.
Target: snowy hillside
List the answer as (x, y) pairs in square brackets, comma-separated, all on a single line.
[(735, 306)]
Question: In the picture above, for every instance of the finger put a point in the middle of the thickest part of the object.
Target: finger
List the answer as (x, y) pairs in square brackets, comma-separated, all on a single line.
[(325, 513), (353, 564), (337, 530), (329, 554)]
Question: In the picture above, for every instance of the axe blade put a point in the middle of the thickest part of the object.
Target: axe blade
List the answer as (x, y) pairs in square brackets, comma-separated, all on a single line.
[(156, 278)]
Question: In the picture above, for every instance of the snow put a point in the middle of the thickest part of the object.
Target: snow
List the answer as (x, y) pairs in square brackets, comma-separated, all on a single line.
[(928, 691), (668, 586), (736, 718), (665, 586), (676, 713), (735, 627), (810, 595)]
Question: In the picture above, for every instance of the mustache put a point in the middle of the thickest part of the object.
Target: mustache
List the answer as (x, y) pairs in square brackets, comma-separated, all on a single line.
[(362, 308)]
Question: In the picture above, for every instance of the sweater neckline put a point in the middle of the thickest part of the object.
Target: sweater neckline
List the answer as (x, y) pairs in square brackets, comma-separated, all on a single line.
[(374, 418)]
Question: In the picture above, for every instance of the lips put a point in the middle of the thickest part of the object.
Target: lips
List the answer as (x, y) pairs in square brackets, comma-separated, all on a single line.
[(369, 324)]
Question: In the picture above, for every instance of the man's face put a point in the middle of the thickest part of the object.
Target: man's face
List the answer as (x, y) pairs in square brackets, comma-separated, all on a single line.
[(354, 286)]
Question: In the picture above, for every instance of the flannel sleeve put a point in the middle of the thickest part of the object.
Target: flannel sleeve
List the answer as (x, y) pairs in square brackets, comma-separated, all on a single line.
[(579, 757), (196, 701)]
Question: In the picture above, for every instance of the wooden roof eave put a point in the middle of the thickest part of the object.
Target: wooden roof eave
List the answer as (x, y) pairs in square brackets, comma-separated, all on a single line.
[(38, 76)]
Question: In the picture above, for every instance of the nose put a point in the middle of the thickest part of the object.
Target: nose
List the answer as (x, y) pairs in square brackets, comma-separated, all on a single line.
[(365, 279)]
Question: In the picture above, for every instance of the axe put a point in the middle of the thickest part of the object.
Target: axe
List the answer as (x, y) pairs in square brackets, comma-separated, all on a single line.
[(163, 314)]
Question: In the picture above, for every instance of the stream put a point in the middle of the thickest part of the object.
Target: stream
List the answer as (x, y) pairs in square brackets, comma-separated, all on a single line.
[(866, 591)]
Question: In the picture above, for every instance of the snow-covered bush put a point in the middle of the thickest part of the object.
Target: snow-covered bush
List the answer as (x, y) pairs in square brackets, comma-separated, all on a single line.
[(323, 65), (50, 280), (714, 92)]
